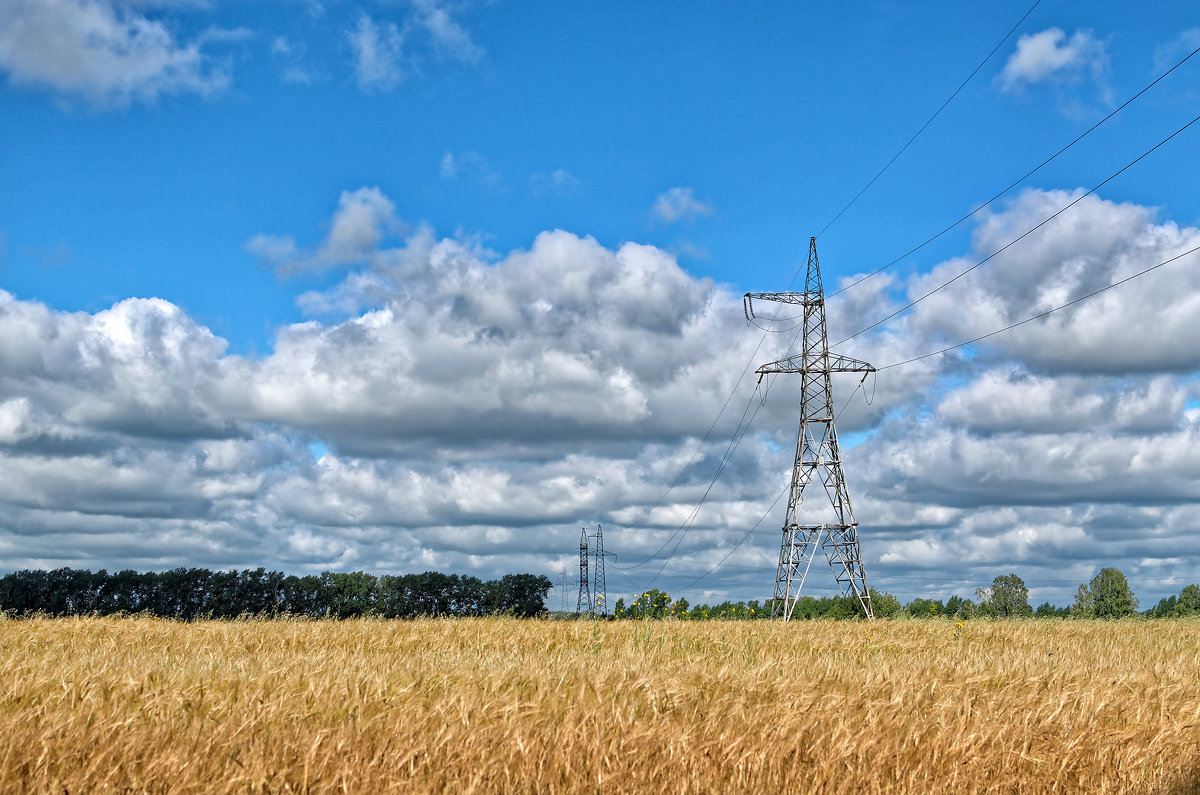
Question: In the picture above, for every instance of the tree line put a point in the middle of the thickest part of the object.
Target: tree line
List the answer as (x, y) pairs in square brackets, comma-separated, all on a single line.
[(200, 593), (1107, 595)]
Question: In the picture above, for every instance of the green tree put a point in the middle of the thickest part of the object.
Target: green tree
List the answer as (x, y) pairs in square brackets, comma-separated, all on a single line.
[(350, 593), (1047, 610), (924, 608), (958, 607), (1189, 601), (525, 594), (303, 596), (651, 604), (1006, 598), (1166, 608), (883, 605), (1107, 596), (1085, 603)]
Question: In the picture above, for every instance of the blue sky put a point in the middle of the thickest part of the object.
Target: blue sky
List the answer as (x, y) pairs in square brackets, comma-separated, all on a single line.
[(284, 175)]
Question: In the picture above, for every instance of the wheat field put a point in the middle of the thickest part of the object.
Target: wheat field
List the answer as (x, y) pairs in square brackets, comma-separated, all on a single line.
[(504, 705)]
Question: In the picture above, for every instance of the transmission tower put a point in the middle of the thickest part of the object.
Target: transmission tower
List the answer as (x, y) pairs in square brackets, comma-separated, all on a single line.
[(817, 455), (600, 585), (562, 591), (585, 592)]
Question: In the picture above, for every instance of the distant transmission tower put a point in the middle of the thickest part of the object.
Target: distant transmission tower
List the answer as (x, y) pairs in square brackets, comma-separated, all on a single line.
[(600, 586), (585, 592), (563, 591), (817, 455)]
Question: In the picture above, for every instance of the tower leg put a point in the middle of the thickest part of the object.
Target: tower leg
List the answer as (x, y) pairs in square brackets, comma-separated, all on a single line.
[(844, 554), (796, 552)]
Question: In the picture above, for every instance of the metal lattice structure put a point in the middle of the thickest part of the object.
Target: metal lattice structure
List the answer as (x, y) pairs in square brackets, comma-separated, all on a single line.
[(600, 584), (818, 457), (585, 591)]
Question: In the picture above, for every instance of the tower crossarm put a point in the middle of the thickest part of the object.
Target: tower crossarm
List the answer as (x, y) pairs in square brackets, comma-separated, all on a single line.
[(801, 363), (799, 299)]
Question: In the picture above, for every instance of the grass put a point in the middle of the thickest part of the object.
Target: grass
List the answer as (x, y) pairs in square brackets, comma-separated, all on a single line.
[(502, 705)]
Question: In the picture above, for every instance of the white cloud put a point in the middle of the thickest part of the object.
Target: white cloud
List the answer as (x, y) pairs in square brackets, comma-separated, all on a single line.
[(387, 53), (379, 58), (449, 38), (1144, 326), (677, 204), (474, 408), (1053, 56), (361, 222), (106, 53), (1167, 54)]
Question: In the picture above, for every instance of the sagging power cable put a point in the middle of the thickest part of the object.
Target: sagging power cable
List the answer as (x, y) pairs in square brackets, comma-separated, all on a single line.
[(929, 121), (1015, 182), (1041, 315), (1018, 239)]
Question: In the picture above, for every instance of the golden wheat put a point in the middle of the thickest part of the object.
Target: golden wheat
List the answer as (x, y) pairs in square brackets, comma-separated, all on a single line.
[(502, 705)]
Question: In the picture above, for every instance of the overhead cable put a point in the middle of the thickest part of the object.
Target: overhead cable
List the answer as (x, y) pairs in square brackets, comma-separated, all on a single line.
[(1015, 182), (1016, 240), (738, 434), (767, 512), (931, 118), (1041, 315)]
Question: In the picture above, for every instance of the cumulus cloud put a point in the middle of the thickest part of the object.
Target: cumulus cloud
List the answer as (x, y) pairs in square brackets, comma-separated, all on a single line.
[(566, 340), (678, 204), (471, 409), (459, 391), (363, 218), (1145, 326), (142, 368), (109, 53), (1053, 56)]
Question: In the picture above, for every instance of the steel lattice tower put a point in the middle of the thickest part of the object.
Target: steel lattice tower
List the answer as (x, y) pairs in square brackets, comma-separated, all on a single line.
[(600, 587), (585, 591), (817, 455)]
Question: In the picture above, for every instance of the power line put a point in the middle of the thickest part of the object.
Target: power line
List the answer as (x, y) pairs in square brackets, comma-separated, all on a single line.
[(687, 525), (1041, 315), (1016, 240), (1038, 316), (741, 541), (796, 274), (766, 513), (931, 118), (682, 530), (725, 405), (1016, 182), (734, 441), (847, 207)]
